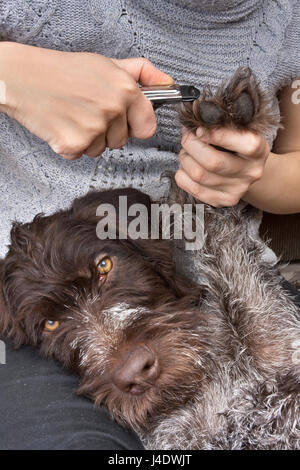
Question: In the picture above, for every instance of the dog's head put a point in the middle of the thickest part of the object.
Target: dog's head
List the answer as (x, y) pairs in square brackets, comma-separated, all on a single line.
[(115, 310)]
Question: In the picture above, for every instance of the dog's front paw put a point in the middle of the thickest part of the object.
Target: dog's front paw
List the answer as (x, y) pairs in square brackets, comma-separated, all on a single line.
[(238, 103)]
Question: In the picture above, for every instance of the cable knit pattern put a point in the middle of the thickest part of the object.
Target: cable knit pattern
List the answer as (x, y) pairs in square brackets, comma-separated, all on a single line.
[(196, 41)]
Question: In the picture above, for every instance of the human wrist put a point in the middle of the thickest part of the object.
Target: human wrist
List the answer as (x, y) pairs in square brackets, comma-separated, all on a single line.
[(8, 57), (277, 190), (261, 192)]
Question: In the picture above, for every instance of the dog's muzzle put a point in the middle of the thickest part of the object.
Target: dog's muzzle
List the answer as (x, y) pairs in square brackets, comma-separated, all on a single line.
[(137, 371)]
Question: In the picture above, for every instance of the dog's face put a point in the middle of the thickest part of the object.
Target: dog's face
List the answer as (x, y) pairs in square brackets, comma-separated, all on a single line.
[(115, 310)]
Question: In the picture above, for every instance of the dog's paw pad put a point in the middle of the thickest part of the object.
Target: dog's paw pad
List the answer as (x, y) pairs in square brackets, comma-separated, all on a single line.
[(243, 109), (210, 113), (238, 103)]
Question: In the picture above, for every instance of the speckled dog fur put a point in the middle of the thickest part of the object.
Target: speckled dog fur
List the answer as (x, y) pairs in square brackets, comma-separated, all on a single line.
[(225, 345)]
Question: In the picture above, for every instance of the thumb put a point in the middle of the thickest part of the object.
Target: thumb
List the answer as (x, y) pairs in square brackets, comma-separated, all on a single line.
[(143, 71)]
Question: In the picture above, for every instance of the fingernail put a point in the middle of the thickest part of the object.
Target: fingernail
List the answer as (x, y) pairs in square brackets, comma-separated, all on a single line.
[(167, 80), (200, 132)]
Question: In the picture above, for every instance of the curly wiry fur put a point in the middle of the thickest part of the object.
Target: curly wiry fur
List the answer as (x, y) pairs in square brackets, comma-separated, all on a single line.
[(227, 348), (250, 396), (238, 103)]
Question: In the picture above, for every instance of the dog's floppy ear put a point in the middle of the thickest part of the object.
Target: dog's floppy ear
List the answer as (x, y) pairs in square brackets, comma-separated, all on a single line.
[(5, 320), (96, 205), (25, 237), (85, 208), (13, 278), (9, 327)]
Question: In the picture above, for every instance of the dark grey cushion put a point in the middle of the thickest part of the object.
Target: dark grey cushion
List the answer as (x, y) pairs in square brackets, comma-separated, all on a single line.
[(39, 409)]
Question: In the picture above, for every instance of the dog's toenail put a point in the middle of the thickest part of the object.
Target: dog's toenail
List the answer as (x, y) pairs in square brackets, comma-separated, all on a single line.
[(200, 132)]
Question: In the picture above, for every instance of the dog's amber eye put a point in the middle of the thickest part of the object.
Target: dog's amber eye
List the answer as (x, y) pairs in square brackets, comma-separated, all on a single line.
[(51, 325), (104, 266)]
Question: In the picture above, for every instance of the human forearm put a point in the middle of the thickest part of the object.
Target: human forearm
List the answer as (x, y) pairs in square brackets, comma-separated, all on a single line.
[(5, 100), (278, 191), (78, 102)]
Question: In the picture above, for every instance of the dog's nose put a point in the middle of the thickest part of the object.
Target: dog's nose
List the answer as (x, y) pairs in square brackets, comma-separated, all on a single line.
[(138, 372)]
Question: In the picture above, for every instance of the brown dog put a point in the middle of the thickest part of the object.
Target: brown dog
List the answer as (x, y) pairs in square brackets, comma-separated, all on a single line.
[(211, 364)]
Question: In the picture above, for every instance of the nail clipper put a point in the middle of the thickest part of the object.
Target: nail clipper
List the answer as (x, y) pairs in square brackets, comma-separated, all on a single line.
[(170, 94)]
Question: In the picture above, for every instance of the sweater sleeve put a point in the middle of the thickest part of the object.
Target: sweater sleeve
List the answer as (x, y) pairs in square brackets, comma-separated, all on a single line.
[(289, 56)]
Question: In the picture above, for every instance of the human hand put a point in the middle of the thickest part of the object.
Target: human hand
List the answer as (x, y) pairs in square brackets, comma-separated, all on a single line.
[(216, 177), (78, 102)]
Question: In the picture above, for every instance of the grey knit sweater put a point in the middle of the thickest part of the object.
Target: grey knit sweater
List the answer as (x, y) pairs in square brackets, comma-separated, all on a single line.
[(195, 41)]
